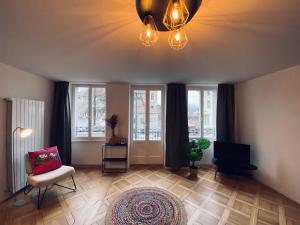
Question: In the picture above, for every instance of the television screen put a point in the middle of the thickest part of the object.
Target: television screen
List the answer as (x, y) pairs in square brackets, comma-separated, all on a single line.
[(232, 153)]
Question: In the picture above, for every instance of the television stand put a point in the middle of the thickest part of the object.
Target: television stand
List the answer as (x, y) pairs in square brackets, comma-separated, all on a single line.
[(235, 170)]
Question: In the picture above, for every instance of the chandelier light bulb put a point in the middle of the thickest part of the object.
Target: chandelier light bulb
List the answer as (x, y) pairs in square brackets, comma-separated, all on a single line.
[(149, 32), (178, 39), (176, 15), (177, 36)]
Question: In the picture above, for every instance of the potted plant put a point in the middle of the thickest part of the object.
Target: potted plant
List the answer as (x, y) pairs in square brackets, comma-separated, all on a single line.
[(194, 151), (112, 123)]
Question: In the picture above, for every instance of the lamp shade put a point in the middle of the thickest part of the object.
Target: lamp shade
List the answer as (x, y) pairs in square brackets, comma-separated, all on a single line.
[(176, 15), (178, 39), (149, 33), (25, 132)]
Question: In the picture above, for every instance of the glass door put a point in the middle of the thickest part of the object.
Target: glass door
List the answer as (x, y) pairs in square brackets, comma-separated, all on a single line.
[(147, 115)]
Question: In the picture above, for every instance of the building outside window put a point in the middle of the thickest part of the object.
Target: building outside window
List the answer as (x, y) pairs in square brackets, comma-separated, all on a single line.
[(139, 115), (155, 115), (89, 111)]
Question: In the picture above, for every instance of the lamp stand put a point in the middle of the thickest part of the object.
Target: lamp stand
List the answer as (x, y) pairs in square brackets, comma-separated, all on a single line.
[(17, 202)]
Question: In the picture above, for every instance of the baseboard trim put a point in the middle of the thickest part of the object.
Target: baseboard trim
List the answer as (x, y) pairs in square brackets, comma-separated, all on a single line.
[(97, 166), (91, 166)]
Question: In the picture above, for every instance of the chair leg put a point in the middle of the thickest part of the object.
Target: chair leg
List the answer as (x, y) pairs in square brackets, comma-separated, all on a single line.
[(74, 183), (216, 171), (72, 189), (40, 199), (27, 189)]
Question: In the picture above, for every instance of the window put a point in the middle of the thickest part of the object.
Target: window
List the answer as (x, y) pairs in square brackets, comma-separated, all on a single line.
[(194, 113), (147, 113), (202, 103), (89, 111), (139, 114), (155, 115)]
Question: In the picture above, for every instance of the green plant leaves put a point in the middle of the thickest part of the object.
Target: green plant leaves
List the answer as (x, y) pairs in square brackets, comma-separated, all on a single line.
[(203, 143), (194, 149)]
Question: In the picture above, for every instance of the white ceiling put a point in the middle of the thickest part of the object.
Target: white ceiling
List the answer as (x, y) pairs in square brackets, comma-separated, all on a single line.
[(97, 40)]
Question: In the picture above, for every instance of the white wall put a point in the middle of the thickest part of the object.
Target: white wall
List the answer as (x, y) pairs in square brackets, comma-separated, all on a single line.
[(117, 98), (268, 118), (20, 84), (118, 95)]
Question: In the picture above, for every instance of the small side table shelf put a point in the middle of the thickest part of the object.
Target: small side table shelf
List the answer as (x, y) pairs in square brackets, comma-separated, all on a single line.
[(105, 148)]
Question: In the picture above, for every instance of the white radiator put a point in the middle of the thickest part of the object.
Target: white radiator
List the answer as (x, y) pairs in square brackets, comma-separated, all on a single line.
[(27, 114)]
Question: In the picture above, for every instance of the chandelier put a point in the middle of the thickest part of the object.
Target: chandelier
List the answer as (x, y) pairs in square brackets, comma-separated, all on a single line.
[(166, 16), (149, 33)]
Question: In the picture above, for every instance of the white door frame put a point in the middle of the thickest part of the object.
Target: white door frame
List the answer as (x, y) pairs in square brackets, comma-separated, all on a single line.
[(148, 88)]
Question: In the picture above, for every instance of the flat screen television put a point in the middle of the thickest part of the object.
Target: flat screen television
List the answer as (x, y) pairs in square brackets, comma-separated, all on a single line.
[(231, 154)]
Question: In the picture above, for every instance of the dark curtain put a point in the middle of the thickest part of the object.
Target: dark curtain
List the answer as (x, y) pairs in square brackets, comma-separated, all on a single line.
[(225, 113), (176, 126), (61, 122)]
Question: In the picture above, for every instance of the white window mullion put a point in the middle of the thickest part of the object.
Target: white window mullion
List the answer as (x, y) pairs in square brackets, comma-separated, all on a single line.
[(90, 112), (215, 113), (202, 112), (147, 127)]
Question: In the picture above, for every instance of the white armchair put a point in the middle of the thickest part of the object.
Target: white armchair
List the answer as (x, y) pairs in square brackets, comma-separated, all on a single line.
[(46, 179)]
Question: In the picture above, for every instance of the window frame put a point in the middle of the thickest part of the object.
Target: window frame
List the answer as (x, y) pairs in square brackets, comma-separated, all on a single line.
[(90, 86), (148, 88), (202, 89)]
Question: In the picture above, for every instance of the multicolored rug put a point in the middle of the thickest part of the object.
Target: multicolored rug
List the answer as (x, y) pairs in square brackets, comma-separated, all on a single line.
[(146, 206)]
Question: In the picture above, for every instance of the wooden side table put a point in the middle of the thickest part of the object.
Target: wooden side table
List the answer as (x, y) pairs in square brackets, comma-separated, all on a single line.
[(108, 147)]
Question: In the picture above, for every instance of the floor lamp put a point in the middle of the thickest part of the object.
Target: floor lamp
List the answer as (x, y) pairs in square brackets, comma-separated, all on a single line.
[(24, 132)]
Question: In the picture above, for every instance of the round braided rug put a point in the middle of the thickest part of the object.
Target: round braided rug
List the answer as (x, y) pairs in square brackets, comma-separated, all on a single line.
[(146, 206)]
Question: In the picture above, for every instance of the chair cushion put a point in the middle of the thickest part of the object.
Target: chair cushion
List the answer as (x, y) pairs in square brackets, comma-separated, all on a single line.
[(44, 160), (51, 177)]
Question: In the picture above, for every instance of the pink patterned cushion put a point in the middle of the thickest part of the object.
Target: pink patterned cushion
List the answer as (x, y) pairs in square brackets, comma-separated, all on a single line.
[(45, 160)]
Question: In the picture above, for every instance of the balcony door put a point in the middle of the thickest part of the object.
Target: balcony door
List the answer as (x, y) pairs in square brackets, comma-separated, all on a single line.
[(147, 130)]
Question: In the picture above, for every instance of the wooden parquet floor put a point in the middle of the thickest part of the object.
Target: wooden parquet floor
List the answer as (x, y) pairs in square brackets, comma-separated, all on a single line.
[(227, 200)]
